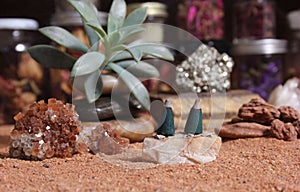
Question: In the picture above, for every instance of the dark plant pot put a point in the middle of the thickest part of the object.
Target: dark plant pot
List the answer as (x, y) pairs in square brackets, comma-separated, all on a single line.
[(105, 109)]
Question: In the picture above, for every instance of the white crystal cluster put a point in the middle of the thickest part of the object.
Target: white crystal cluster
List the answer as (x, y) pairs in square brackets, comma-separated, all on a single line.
[(182, 148), (205, 70), (30, 145), (287, 94)]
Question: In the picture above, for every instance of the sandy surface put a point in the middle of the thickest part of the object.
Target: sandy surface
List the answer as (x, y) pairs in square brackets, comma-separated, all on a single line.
[(260, 164)]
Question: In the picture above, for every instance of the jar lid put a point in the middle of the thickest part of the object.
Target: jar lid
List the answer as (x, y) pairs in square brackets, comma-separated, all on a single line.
[(259, 47), (18, 23), (293, 18), (154, 8), (64, 5), (72, 18)]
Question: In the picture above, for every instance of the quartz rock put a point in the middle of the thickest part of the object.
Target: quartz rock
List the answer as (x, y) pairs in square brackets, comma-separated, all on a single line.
[(287, 94), (182, 148), (205, 70), (102, 139)]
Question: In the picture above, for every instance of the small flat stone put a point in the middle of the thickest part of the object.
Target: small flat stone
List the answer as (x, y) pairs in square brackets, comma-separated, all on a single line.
[(244, 130), (182, 148), (136, 129)]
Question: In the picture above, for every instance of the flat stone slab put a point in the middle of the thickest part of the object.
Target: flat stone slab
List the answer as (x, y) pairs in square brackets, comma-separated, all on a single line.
[(244, 130), (182, 148)]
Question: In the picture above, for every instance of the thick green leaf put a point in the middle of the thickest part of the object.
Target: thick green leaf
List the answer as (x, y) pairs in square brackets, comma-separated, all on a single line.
[(88, 13), (126, 63), (93, 86), (95, 47), (136, 54), (51, 57), (128, 32), (147, 49), (134, 84), (91, 34), (136, 17), (141, 69), (64, 38), (100, 32), (118, 37), (114, 39), (112, 24), (88, 63), (155, 50), (118, 12)]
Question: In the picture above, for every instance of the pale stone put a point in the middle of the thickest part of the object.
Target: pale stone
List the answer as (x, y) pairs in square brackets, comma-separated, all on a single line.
[(287, 94), (135, 130), (182, 148), (99, 140)]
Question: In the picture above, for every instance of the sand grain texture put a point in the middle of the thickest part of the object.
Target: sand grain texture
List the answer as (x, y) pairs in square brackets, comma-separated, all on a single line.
[(257, 164)]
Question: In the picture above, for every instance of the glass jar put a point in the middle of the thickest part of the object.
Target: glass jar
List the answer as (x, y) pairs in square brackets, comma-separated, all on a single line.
[(292, 68), (22, 80), (254, 19), (205, 19), (293, 56), (153, 33), (259, 65), (156, 13)]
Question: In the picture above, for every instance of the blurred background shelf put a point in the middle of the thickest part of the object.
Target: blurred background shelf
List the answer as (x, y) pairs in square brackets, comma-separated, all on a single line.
[(42, 10)]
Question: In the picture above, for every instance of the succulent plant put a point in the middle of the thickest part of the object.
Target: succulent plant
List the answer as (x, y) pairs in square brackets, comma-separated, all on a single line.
[(118, 56)]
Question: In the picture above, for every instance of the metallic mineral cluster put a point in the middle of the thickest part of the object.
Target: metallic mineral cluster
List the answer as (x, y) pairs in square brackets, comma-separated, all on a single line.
[(206, 70), (45, 131)]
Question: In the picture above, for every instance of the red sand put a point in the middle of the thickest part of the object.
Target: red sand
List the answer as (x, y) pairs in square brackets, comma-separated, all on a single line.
[(260, 164)]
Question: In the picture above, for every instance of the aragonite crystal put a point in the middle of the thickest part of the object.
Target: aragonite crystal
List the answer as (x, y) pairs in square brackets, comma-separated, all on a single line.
[(45, 131)]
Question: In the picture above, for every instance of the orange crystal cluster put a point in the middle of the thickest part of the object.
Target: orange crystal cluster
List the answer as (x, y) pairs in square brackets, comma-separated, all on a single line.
[(45, 131)]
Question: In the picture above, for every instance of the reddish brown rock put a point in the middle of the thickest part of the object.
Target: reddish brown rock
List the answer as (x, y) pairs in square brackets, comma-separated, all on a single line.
[(288, 114), (297, 127), (243, 130), (113, 133), (46, 130), (284, 131), (259, 111)]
